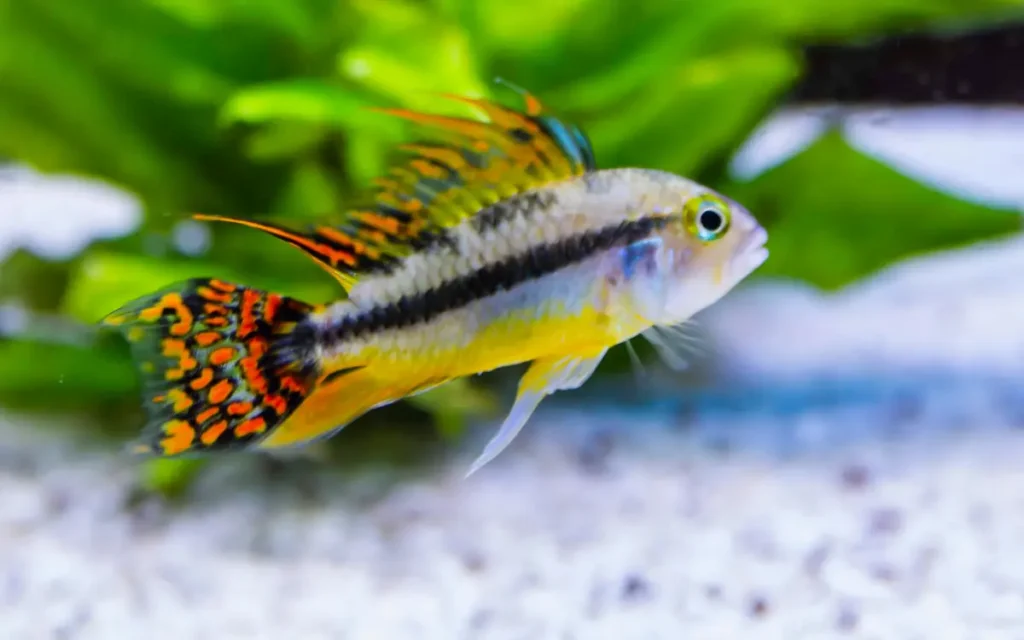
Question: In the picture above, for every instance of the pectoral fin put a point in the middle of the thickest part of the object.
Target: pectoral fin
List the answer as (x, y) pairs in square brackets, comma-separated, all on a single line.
[(544, 377)]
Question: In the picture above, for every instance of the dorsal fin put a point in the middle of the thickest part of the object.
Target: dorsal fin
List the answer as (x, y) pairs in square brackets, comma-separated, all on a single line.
[(463, 167)]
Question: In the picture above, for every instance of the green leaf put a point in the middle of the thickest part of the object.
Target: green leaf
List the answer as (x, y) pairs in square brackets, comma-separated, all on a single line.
[(704, 107), (835, 215), (311, 194), (282, 141), (453, 403), (689, 32), (307, 100), (108, 36), (170, 477), (53, 376)]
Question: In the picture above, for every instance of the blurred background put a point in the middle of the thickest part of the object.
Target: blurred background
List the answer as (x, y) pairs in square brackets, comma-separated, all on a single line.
[(841, 459)]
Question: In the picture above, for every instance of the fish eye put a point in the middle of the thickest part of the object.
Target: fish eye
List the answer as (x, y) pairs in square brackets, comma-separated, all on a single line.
[(707, 218)]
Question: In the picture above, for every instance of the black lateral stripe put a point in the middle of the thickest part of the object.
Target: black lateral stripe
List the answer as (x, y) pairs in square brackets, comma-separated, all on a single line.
[(491, 279)]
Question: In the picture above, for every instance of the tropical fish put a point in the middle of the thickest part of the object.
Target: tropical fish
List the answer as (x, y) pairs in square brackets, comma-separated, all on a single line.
[(497, 241)]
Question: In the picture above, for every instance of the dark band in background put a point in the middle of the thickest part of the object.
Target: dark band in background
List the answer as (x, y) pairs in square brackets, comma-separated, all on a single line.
[(981, 66)]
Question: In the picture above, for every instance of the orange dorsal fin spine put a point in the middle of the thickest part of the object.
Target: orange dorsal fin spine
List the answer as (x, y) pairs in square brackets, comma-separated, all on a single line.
[(331, 254)]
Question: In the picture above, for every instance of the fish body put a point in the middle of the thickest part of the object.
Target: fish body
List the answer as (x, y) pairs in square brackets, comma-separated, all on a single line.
[(501, 244)]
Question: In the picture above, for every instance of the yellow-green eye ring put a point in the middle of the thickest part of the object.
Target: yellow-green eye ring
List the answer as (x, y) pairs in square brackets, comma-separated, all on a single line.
[(707, 218)]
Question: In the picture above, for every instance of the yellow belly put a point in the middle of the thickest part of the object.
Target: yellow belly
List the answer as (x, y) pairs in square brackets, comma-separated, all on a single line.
[(388, 376)]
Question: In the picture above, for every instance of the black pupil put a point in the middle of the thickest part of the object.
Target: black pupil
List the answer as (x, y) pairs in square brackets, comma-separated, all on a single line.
[(710, 220)]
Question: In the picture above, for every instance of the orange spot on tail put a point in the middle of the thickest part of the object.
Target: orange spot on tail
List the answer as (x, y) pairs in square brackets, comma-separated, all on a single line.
[(255, 425), (204, 379), (291, 383), (213, 432), (277, 403), (248, 312), (220, 392), (182, 401), (207, 338), (384, 223), (258, 347), (211, 294), (222, 356), (220, 285), (180, 436), (270, 307), (239, 408), (173, 347), (207, 415)]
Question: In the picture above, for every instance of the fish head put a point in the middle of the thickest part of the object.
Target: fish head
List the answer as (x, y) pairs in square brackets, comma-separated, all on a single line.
[(709, 244)]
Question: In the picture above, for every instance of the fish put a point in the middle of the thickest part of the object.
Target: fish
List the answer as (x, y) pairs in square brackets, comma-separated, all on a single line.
[(495, 240)]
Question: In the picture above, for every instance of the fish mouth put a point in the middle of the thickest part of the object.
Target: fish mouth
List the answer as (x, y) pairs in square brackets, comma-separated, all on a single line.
[(753, 252)]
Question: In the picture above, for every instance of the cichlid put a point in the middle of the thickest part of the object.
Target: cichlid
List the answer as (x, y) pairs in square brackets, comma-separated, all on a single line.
[(495, 242)]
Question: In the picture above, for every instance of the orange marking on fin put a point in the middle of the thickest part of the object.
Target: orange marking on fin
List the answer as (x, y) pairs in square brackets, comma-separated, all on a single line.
[(173, 347), (207, 414), (184, 324), (180, 435), (384, 223), (214, 431), (153, 313), (187, 362), (499, 115), (214, 309), (174, 374), (211, 294), (253, 376), (450, 157), (207, 338), (533, 105), (277, 403), (217, 322), (220, 392), (427, 169), (222, 356), (204, 379), (254, 425), (463, 126), (258, 347), (334, 235), (220, 285), (291, 383), (270, 307), (249, 300), (182, 401), (239, 408)]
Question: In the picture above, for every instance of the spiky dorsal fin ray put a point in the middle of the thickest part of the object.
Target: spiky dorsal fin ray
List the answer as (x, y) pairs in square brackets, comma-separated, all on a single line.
[(463, 167), (325, 251)]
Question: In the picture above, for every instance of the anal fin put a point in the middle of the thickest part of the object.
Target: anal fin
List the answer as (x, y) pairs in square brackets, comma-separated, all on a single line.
[(544, 377)]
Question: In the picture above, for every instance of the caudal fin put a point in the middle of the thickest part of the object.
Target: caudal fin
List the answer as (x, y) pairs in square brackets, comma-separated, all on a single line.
[(222, 364)]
